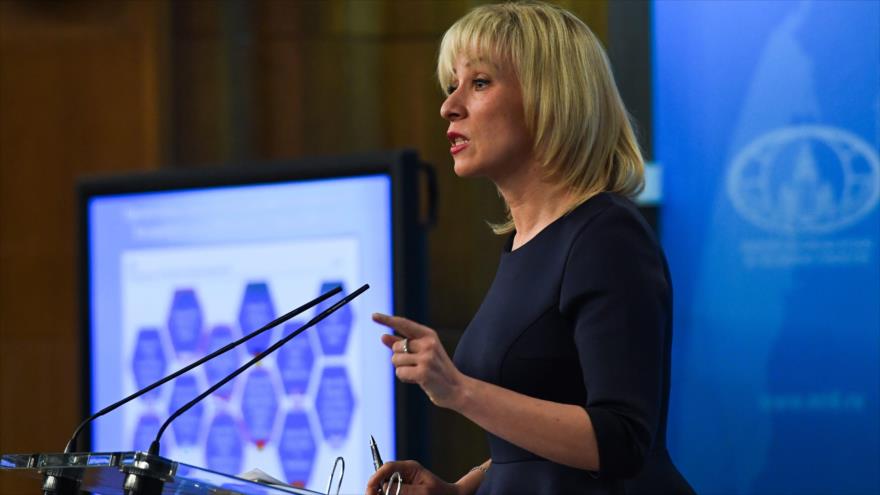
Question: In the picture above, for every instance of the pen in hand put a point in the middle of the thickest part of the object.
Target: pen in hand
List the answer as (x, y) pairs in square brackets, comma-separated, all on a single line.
[(374, 449), (377, 459)]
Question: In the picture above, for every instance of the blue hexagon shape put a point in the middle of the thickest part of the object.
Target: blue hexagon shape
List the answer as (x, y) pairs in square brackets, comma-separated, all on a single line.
[(334, 404), (224, 364), (145, 432), (259, 406), (223, 449), (185, 321), (333, 331), (295, 360), (188, 425), (148, 362), (297, 449), (256, 310)]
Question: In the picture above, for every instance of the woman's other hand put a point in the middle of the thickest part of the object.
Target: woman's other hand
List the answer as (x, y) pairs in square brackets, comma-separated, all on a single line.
[(416, 480), (423, 361)]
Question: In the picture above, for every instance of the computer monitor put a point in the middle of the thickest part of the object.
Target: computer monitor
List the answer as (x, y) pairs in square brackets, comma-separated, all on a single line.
[(177, 264)]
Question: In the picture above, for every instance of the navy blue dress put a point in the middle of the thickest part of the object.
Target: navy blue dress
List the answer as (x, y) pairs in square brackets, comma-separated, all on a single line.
[(581, 314)]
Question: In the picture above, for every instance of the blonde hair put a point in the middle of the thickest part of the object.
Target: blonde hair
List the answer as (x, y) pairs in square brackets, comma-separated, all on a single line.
[(581, 130)]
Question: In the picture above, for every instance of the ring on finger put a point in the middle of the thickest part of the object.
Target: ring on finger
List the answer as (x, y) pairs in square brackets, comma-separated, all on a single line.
[(406, 346)]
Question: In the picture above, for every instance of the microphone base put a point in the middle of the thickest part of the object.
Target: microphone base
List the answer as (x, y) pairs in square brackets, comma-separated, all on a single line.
[(146, 474), (139, 484), (55, 484)]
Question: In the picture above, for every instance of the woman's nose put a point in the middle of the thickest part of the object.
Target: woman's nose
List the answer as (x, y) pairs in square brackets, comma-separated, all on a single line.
[(452, 108)]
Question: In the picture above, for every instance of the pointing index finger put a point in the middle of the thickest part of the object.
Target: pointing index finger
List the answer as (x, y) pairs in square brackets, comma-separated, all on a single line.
[(401, 325)]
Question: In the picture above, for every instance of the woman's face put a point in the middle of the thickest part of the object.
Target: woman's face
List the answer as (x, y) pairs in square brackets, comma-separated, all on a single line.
[(487, 130)]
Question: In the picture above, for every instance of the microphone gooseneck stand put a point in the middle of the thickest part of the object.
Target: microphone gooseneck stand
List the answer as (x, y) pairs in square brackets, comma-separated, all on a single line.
[(67, 483), (140, 481)]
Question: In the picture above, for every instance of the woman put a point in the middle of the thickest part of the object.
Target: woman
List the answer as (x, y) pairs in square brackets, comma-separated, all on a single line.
[(566, 363)]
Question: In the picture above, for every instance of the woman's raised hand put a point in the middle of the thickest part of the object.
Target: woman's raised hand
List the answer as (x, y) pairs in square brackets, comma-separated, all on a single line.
[(420, 358), (416, 480)]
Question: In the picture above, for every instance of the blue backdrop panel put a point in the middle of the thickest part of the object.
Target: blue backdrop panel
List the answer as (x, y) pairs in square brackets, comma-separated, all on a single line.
[(768, 125)]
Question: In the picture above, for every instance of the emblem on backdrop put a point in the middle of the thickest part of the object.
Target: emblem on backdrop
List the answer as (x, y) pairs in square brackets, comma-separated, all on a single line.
[(805, 180)]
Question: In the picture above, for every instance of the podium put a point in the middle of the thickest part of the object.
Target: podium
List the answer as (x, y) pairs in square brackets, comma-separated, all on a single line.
[(130, 473)]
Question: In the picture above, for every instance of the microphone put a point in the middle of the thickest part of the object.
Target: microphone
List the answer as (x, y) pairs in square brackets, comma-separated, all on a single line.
[(138, 480), (272, 324), (154, 447)]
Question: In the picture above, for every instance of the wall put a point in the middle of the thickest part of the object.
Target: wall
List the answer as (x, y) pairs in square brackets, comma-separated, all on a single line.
[(81, 92)]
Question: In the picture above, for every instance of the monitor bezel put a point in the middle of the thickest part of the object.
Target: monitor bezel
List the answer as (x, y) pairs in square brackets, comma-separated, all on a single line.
[(408, 237)]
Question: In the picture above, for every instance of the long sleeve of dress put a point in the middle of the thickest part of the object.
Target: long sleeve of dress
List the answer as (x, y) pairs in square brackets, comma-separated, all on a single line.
[(616, 294)]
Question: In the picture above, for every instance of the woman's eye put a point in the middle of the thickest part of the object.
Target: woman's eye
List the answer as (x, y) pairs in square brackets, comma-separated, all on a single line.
[(481, 83), (450, 89)]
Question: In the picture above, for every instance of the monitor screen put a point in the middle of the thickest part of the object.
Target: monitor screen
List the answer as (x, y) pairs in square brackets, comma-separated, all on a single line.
[(175, 274)]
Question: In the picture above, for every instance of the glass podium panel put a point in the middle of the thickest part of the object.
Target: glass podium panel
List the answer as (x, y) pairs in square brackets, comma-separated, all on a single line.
[(105, 473)]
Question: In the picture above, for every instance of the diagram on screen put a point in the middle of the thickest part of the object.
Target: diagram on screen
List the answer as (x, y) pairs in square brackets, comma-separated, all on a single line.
[(289, 413)]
